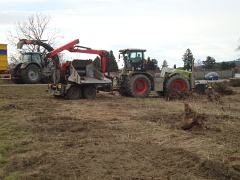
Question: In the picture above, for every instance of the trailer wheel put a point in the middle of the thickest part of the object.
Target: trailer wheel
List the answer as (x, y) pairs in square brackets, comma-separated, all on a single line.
[(139, 86), (89, 92), (177, 83), (74, 93), (31, 74)]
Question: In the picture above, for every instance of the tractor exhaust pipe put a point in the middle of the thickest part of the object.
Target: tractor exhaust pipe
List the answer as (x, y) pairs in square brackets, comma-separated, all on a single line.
[(192, 78)]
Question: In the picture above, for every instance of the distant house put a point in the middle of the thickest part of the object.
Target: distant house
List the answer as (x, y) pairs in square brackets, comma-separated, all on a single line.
[(237, 63)]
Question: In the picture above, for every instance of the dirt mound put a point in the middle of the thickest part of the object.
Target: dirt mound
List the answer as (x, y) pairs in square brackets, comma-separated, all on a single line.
[(221, 88)]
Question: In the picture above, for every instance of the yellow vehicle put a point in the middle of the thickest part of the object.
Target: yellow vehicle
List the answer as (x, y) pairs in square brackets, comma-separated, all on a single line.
[(4, 62)]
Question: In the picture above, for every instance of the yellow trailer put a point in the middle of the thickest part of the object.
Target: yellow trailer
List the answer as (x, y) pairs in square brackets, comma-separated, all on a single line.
[(4, 62)]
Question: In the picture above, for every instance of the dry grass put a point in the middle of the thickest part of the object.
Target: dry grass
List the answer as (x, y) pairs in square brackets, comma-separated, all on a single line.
[(114, 137)]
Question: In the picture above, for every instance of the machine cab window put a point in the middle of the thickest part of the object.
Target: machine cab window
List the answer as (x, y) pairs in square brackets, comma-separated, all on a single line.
[(133, 59), (136, 60), (136, 57), (31, 57), (36, 58), (25, 58)]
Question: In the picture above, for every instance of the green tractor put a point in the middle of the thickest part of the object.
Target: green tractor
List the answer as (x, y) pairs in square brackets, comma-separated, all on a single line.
[(135, 81), (33, 67)]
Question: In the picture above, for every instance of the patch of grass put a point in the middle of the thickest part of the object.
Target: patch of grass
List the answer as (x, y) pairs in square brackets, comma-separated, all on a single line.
[(14, 139), (11, 138), (13, 176), (6, 147), (2, 160)]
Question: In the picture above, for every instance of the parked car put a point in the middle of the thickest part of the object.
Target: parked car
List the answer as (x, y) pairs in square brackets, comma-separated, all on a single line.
[(211, 76)]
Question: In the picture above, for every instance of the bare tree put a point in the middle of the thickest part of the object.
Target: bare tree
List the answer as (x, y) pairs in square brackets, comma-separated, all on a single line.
[(36, 27)]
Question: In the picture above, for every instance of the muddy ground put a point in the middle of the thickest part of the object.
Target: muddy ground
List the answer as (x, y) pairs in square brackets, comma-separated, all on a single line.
[(114, 137)]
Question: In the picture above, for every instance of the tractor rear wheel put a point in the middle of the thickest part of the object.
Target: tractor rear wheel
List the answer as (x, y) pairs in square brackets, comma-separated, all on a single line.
[(139, 86), (89, 92), (31, 74), (74, 93), (177, 83)]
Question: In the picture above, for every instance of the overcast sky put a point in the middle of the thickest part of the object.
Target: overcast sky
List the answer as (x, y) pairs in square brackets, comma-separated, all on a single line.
[(166, 28)]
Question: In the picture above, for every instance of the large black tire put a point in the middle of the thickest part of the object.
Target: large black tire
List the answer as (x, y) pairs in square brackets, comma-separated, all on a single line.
[(139, 86), (89, 92), (31, 74), (177, 84), (74, 93), (16, 75)]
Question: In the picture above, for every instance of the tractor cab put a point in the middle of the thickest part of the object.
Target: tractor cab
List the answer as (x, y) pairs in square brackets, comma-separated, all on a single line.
[(32, 57), (132, 60)]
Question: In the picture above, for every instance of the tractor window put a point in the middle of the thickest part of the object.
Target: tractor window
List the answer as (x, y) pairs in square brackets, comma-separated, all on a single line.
[(136, 57), (133, 55), (36, 58), (26, 58), (139, 55), (133, 59)]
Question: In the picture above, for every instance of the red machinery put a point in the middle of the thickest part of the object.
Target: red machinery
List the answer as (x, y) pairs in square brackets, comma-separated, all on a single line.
[(81, 79), (35, 66), (72, 47)]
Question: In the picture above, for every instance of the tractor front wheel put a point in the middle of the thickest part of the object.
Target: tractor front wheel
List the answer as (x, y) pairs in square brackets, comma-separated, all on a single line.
[(139, 86)]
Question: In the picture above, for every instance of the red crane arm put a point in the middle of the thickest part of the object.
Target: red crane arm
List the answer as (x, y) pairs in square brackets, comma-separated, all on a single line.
[(71, 47)]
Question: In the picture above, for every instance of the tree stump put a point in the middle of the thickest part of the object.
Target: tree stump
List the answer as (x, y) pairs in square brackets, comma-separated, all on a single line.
[(191, 118)]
